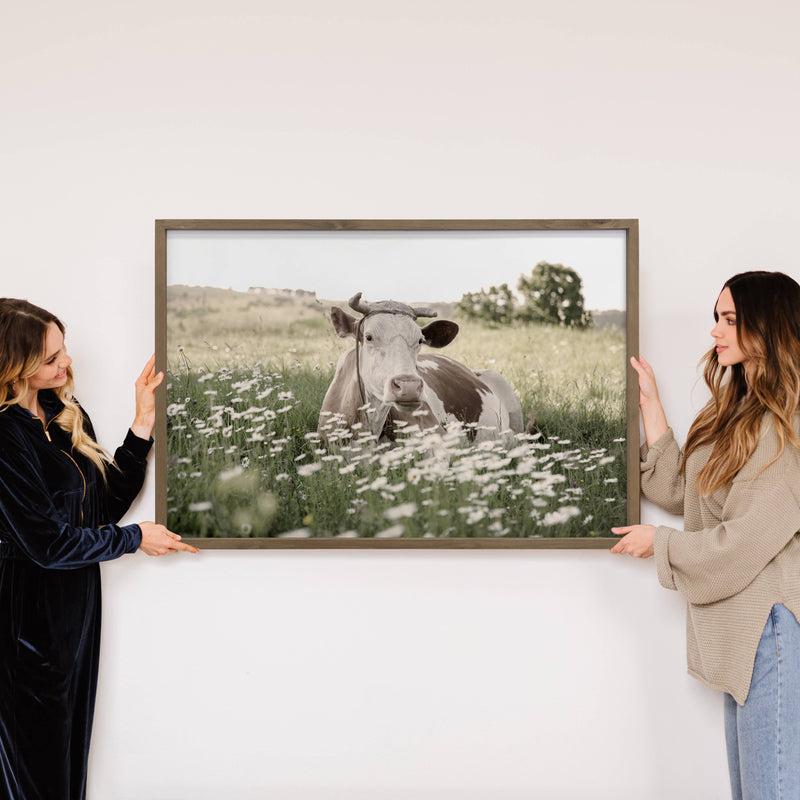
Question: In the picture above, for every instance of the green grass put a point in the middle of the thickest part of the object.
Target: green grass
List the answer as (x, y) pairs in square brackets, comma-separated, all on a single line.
[(244, 459)]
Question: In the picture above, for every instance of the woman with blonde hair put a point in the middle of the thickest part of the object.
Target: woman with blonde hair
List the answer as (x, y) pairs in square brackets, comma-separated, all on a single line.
[(737, 483), (61, 497)]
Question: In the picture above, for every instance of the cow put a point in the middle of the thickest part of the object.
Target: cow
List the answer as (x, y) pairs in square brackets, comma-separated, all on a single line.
[(384, 382)]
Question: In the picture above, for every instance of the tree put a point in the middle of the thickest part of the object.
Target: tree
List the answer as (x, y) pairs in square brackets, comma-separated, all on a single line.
[(494, 307), (553, 294)]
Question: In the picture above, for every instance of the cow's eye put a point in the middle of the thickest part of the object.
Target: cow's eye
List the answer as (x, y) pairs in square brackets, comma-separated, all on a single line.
[(368, 337)]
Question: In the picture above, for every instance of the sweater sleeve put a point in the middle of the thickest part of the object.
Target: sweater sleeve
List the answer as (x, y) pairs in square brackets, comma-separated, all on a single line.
[(30, 521), (760, 516), (662, 481)]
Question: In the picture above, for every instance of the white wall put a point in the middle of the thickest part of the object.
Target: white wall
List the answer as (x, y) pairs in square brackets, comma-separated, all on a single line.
[(394, 675)]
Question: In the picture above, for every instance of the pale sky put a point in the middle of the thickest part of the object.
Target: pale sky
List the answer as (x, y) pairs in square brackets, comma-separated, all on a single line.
[(405, 266)]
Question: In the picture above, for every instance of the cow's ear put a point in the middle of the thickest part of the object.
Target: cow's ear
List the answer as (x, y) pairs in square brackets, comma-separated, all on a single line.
[(439, 332), (343, 323)]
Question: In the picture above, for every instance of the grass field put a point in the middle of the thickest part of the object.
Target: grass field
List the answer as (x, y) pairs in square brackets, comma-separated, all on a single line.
[(247, 374)]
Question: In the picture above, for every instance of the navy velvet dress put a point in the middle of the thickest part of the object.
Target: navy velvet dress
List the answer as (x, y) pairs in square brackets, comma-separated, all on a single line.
[(57, 522)]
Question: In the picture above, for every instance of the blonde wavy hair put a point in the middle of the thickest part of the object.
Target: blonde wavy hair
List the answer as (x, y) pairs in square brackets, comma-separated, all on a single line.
[(23, 330), (768, 331)]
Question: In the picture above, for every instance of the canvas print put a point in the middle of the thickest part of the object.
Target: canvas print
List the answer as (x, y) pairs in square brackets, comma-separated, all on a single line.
[(369, 385)]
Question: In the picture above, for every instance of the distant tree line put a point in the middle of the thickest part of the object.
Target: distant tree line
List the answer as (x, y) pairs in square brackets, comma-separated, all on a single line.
[(552, 294)]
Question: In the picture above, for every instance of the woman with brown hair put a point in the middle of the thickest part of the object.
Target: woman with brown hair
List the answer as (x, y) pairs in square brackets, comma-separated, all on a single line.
[(61, 496), (737, 483)]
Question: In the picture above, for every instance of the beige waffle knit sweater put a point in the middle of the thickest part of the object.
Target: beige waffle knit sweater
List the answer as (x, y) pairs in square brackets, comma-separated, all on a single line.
[(738, 556)]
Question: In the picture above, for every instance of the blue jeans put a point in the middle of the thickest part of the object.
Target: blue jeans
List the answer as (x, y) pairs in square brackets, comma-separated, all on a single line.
[(763, 735)]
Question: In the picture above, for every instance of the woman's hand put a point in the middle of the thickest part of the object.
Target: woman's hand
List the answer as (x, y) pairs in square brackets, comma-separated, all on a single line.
[(637, 540), (653, 416), (648, 389), (158, 541), (146, 385)]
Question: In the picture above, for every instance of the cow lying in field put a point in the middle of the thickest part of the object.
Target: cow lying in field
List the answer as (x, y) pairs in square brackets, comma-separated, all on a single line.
[(384, 379)]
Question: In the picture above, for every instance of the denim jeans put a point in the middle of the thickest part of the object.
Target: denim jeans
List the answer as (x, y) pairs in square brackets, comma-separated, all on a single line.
[(763, 735)]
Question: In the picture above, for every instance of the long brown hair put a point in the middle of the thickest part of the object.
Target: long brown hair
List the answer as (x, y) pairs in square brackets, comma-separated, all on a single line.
[(23, 331), (768, 331)]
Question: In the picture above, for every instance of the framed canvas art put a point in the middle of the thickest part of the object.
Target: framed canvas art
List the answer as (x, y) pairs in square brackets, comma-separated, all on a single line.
[(397, 383)]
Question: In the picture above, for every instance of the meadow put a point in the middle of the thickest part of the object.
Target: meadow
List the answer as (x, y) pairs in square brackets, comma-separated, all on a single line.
[(246, 378)]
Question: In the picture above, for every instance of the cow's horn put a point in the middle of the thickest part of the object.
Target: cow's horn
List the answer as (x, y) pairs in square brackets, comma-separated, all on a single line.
[(425, 312), (355, 303)]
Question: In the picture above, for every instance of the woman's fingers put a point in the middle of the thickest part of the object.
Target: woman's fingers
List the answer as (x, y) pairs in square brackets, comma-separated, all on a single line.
[(153, 381), (145, 386), (158, 540), (643, 368), (648, 389), (637, 540), (175, 546), (148, 378), (166, 548), (619, 547), (149, 368)]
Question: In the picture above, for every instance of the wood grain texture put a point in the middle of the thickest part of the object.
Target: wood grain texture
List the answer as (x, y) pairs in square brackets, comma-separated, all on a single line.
[(598, 543), (395, 224), (160, 446)]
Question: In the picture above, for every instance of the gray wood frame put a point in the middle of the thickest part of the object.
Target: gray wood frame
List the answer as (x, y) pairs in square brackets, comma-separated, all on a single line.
[(631, 228)]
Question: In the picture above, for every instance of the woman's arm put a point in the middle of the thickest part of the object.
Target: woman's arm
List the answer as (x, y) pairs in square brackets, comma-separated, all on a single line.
[(662, 480), (713, 564), (125, 477), (125, 480), (30, 521), (146, 384), (653, 417), (759, 518)]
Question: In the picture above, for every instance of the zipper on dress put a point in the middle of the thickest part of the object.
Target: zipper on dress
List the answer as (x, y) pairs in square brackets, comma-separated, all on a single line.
[(44, 428), (46, 425)]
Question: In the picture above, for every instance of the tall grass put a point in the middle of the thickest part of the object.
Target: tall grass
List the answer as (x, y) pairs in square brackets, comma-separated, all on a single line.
[(245, 458)]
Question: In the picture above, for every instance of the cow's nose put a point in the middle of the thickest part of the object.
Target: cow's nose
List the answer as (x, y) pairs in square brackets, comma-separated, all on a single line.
[(405, 388)]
